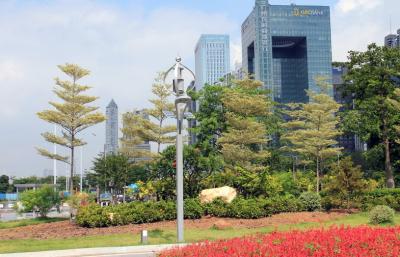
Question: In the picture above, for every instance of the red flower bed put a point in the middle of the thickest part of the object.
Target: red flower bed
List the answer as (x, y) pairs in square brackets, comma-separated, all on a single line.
[(335, 241)]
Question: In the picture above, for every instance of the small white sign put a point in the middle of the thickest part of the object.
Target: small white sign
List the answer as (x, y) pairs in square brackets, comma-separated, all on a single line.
[(1, 205)]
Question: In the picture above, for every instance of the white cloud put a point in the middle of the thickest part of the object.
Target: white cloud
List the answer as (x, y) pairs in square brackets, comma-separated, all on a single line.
[(123, 48), (10, 70), (352, 5), (357, 23)]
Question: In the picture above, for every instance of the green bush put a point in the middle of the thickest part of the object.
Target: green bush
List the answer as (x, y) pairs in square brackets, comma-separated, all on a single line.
[(278, 204), (246, 208), (217, 208), (92, 216), (41, 199), (389, 197), (310, 201), (381, 214), (193, 209)]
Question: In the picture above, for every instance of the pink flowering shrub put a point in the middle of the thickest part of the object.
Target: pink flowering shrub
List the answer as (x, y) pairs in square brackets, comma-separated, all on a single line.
[(336, 241)]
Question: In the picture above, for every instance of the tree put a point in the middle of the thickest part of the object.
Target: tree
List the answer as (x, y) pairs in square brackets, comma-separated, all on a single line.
[(345, 181), (133, 136), (41, 199), (210, 117), (372, 78), (143, 129), (244, 143), (196, 168), (72, 115), (312, 128), (111, 172), (4, 184)]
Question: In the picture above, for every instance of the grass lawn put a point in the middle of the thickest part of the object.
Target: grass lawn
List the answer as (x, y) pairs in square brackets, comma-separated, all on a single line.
[(165, 236), (21, 223)]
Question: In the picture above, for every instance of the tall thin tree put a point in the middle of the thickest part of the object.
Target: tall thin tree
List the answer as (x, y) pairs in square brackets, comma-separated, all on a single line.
[(312, 129), (72, 115)]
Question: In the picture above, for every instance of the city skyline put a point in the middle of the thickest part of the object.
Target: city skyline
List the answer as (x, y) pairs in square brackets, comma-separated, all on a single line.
[(106, 42)]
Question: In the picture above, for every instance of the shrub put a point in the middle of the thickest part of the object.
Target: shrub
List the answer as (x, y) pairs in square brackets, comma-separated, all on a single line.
[(92, 215), (381, 214), (311, 201), (278, 204), (389, 197), (217, 208), (246, 208), (41, 199), (193, 209)]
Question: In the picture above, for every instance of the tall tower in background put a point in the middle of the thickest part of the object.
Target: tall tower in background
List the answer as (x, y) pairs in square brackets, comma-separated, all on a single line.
[(212, 60), (393, 40), (111, 146), (286, 47)]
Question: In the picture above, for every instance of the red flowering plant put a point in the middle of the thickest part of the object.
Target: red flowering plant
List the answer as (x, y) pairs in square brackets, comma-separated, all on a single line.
[(361, 241)]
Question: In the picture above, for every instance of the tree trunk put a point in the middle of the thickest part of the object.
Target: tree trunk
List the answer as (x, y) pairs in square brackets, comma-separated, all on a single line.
[(317, 175), (71, 175), (388, 165)]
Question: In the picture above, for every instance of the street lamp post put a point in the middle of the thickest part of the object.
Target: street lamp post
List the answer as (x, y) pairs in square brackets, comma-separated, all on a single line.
[(182, 101)]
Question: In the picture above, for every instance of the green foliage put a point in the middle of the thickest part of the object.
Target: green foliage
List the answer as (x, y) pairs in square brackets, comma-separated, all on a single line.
[(282, 203), (244, 143), (344, 184), (311, 201), (211, 122), (111, 172), (4, 184), (41, 199), (193, 209), (247, 208), (312, 129), (196, 168), (92, 216), (144, 212), (381, 214), (139, 128), (217, 208), (389, 197), (370, 82)]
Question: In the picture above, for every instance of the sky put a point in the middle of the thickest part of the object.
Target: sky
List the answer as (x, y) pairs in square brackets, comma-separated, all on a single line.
[(124, 44)]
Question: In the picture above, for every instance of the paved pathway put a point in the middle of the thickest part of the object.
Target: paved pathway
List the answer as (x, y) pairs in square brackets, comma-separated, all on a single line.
[(129, 251)]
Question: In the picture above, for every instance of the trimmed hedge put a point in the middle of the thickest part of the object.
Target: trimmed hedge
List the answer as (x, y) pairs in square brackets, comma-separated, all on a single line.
[(388, 197), (145, 212)]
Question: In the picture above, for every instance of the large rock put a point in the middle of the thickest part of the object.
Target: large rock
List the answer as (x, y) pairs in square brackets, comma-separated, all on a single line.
[(227, 194)]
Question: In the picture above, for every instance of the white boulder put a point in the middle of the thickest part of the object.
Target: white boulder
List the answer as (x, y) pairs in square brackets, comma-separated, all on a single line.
[(227, 194)]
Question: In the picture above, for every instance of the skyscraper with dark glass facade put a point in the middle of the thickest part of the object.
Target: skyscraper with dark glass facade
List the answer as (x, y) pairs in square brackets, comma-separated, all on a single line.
[(287, 47)]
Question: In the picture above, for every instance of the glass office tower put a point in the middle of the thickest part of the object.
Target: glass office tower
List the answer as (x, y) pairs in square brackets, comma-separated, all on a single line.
[(287, 47), (211, 59)]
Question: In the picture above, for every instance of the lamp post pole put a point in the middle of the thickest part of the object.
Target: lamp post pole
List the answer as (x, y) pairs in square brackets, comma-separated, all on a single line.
[(182, 101)]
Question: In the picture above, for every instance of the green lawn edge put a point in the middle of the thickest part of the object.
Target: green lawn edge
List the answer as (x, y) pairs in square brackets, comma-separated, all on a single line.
[(169, 236)]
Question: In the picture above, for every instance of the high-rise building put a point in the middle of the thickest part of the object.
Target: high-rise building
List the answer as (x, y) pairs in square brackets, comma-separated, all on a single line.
[(211, 59), (393, 40), (111, 146), (140, 148), (287, 47)]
